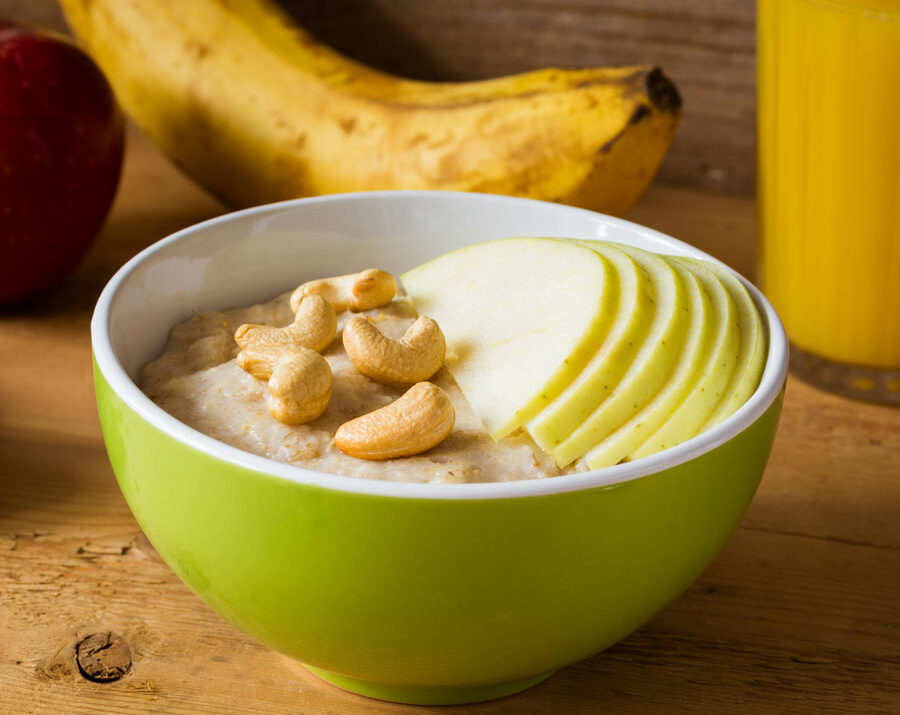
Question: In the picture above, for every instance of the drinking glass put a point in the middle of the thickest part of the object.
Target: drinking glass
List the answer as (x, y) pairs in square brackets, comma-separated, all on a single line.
[(829, 187)]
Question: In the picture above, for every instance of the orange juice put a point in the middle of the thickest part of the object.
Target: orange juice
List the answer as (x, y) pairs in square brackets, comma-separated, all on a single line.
[(829, 175)]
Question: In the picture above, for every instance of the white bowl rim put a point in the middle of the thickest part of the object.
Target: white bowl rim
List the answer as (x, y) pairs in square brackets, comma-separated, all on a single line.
[(771, 383)]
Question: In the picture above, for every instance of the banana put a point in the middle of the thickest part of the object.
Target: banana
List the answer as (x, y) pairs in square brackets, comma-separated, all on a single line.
[(257, 110)]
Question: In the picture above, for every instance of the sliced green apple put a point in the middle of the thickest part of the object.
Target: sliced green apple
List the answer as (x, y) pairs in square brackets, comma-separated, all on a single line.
[(709, 387), (698, 339), (633, 317), (650, 368), (753, 351), (522, 316)]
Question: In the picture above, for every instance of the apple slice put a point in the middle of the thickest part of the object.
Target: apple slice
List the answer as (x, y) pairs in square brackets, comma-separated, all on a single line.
[(649, 370), (709, 388), (753, 351), (522, 316), (607, 366), (698, 339)]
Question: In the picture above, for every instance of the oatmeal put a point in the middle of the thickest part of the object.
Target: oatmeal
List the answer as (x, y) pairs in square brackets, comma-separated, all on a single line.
[(197, 380)]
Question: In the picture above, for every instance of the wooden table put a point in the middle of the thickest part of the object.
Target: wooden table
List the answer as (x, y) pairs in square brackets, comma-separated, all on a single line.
[(800, 613)]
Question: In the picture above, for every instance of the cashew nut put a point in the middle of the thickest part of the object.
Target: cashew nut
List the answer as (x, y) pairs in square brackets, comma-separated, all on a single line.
[(415, 357), (415, 422), (314, 327), (299, 380), (370, 288)]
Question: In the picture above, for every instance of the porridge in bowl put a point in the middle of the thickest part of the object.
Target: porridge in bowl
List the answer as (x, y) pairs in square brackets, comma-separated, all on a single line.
[(506, 360), (197, 380)]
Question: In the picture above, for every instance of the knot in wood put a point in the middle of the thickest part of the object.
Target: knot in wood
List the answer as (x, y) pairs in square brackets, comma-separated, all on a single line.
[(103, 657)]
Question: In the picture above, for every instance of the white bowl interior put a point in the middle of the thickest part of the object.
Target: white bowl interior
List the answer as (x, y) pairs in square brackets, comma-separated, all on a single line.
[(253, 255)]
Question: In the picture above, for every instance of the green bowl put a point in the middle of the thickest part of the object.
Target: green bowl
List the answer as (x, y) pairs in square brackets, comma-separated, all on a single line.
[(417, 593)]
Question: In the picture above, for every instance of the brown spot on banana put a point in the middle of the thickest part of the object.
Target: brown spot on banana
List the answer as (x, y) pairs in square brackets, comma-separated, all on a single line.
[(641, 111), (662, 91), (196, 49)]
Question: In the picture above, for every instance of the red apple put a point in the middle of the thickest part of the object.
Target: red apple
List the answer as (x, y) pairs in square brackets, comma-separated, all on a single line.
[(61, 145)]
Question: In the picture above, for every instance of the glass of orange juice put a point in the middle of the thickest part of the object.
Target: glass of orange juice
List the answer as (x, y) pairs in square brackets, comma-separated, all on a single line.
[(829, 187)]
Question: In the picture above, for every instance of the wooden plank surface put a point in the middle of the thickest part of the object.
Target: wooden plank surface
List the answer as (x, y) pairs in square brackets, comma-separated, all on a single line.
[(800, 613), (706, 46)]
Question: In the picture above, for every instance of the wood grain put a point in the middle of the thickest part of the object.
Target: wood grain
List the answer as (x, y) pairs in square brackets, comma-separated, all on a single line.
[(706, 46), (800, 613)]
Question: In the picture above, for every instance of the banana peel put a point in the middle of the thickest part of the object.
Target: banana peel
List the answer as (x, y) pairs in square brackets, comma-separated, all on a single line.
[(257, 110)]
